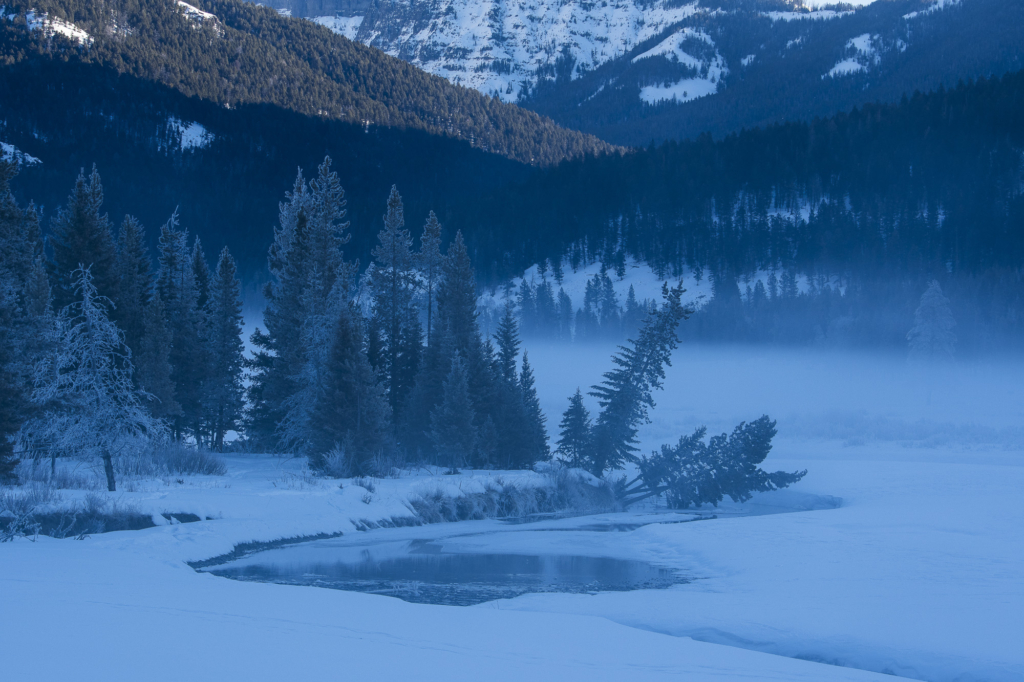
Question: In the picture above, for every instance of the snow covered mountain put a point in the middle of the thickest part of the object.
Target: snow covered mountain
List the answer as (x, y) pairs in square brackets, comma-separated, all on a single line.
[(500, 47), (610, 67)]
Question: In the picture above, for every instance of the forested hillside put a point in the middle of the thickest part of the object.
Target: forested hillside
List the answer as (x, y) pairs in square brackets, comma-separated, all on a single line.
[(872, 204), (224, 169), (232, 53)]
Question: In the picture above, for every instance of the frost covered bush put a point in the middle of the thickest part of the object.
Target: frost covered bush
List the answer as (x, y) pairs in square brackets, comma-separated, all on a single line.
[(568, 492), (177, 458), (76, 475), (435, 506), (335, 464), (41, 510)]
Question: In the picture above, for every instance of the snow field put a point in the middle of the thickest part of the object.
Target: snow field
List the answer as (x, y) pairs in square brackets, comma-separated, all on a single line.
[(125, 606), (919, 572)]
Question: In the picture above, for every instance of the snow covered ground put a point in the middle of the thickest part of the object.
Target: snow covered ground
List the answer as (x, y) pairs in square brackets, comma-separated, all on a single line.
[(919, 572)]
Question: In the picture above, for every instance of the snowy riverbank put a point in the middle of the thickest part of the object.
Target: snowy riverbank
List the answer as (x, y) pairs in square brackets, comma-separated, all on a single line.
[(919, 572)]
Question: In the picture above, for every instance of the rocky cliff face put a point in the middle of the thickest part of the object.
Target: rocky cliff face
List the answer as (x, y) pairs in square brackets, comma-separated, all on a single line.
[(500, 47)]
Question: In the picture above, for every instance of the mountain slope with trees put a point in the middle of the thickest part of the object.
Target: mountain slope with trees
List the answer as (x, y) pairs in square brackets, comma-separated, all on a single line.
[(232, 53)]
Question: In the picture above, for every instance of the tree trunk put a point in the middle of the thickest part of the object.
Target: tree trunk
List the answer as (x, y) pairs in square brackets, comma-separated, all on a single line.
[(108, 469)]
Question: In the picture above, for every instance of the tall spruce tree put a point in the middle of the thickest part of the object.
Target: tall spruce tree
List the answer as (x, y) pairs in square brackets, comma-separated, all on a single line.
[(224, 339), (508, 346), (307, 250), (510, 420), (452, 425), (565, 316), (393, 282), (140, 314), (415, 426), (457, 329), (134, 282), (179, 297), (932, 337), (351, 411), (574, 442), (153, 364), (429, 261), (24, 313), (536, 437), (456, 297), (201, 272), (80, 235)]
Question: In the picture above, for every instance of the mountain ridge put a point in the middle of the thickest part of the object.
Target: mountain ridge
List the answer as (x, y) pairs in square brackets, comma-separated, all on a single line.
[(718, 66), (230, 52)]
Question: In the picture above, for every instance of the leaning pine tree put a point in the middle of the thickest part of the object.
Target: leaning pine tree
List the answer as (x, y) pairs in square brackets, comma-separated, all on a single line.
[(693, 472), (625, 395)]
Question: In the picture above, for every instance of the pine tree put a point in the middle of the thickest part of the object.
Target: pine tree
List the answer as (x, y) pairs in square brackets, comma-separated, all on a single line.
[(426, 392), (565, 316), (609, 306), (430, 261), (179, 297), (224, 340), (201, 272), (508, 346), (547, 312), (451, 423), (694, 473), (633, 316), (511, 446), (352, 412), (456, 297), (574, 442), (24, 313), (932, 336), (134, 283), (81, 235), (457, 318), (153, 364), (527, 308), (789, 288), (625, 395), (306, 250), (10, 423), (87, 383), (536, 435), (393, 283)]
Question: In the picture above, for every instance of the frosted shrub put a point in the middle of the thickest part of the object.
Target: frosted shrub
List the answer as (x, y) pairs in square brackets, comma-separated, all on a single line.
[(336, 464), (73, 475), (385, 464), (177, 458)]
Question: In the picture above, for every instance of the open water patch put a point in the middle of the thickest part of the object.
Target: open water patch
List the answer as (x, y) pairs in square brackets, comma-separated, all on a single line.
[(422, 572)]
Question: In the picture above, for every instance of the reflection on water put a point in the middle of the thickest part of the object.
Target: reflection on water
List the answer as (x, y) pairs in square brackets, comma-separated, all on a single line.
[(423, 573)]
